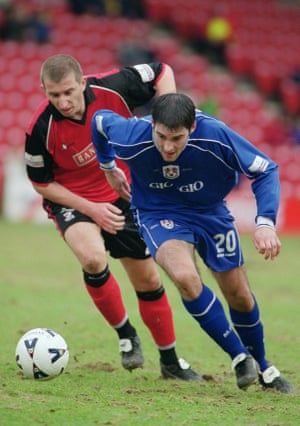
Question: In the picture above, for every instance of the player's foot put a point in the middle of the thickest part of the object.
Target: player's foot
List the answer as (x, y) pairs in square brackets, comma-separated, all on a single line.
[(245, 370), (181, 371), (271, 379), (131, 352)]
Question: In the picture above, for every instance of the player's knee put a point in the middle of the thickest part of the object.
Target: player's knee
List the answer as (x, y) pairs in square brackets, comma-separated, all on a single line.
[(96, 280), (188, 284), (147, 282), (241, 300), (92, 262), (185, 278), (151, 295)]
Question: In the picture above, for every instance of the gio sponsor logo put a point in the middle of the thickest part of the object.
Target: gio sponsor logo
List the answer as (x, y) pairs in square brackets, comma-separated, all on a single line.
[(189, 187), (160, 185), (192, 187)]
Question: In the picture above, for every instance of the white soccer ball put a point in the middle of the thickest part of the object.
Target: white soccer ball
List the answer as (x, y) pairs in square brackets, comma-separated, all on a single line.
[(42, 354)]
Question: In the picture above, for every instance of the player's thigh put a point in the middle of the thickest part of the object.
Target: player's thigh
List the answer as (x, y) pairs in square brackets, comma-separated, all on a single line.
[(142, 273), (86, 242)]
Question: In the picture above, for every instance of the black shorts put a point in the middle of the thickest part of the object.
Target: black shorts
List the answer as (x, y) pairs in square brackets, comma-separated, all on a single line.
[(126, 243)]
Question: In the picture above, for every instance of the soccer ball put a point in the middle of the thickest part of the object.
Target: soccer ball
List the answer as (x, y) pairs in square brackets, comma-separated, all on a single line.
[(42, 354)]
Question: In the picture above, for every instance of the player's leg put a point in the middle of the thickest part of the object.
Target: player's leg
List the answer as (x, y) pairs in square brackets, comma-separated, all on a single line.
[(172, 245), (176, 257), (86, 242), (84, 239), (152, 299), (220, 248), (245, 316), (157, 315)]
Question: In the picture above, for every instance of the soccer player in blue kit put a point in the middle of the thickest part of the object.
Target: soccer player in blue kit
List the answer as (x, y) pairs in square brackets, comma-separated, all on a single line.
[(183, 164)]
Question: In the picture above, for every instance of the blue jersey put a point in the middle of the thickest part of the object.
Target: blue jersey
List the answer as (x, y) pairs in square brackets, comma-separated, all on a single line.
[(199, 180)]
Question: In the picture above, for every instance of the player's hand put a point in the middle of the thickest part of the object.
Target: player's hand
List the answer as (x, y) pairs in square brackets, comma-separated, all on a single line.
[(107, 216), (118, 181), (267, 242)]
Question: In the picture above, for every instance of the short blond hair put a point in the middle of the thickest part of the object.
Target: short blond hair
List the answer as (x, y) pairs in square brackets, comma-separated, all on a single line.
[(57, 67)]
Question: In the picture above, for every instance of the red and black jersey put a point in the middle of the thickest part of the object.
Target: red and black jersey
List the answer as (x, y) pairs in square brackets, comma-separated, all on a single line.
[(60, 149)]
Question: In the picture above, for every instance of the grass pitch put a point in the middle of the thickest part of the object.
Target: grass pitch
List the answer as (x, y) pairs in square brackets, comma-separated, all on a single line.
[(41, 286)]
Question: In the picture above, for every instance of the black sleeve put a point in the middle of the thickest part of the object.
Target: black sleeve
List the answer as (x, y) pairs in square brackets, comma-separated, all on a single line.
[(136, 84), (38, 161)]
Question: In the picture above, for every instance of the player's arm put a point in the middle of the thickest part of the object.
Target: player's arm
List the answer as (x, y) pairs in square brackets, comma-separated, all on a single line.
[(165, 82), (266, 189), (106, 154), (39, 170), (106, 215), (118, 181), (139, 83), (263, 171), (265, 238)]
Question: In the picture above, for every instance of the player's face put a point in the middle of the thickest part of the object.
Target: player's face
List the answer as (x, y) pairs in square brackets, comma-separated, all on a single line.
[(67, 96), (170, 142)]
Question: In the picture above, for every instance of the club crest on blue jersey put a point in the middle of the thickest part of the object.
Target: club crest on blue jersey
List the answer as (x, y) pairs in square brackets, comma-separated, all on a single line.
[(167, 223), (171, 171)]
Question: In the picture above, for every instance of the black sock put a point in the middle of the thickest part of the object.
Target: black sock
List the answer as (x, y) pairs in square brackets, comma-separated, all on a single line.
[(126, 331), (168, 356)]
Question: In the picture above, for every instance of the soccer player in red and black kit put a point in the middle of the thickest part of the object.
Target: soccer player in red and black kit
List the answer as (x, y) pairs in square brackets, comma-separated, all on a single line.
[(62, 167)]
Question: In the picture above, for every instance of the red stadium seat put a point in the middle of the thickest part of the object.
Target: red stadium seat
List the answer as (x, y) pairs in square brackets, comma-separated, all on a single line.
[(266, 78), (6, 118), (237, 59), (290, 93), (158, 10)]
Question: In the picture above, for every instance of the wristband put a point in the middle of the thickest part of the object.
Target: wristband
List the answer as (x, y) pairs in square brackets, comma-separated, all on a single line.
[(265, 221), (106, 167)]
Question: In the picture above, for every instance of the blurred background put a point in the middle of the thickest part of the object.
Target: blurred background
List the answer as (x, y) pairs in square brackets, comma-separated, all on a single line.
[(239, 60)]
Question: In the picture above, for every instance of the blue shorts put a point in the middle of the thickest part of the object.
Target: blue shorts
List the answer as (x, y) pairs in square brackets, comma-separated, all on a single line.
[(213, 234)]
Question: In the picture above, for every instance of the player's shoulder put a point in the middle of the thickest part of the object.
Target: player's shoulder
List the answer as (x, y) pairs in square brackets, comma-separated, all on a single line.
[(91, 78), (209, 120), (208, 125), (41, 115), (103, 82)]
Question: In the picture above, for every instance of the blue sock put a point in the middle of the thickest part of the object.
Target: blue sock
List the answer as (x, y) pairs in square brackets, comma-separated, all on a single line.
[(208, 311), (250, 329)]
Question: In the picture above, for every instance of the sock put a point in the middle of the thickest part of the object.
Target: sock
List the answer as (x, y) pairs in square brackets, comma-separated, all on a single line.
[(157, 315), (208, 311), (168, 356), (126, 330), (105, 292), (250, 330)]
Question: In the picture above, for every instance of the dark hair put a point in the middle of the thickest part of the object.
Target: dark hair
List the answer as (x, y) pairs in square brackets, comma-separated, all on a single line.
[(174, 110), (58, 67)]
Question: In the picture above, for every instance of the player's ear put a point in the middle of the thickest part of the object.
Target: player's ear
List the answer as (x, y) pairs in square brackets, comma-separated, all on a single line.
[(83, 82), (194, 125)]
